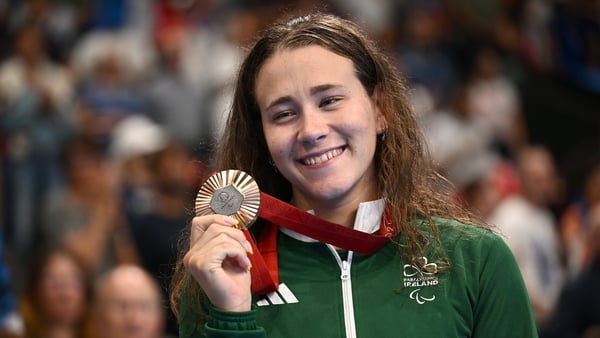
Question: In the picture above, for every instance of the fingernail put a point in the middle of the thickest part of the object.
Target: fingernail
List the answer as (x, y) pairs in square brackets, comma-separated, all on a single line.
[(248, 248), (249, 268), (231, 221)]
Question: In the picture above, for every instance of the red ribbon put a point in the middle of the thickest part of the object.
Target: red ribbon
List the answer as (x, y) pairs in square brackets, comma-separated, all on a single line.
[(265, 276)]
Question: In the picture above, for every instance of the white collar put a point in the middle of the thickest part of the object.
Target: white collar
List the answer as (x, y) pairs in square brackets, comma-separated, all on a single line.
[(368, 220)]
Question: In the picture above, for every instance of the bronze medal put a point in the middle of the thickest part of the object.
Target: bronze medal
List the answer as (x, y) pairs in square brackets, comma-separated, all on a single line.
[(230, 192)]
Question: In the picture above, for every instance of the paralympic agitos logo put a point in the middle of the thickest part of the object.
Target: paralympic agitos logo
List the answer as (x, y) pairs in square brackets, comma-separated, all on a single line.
[(417, 277)]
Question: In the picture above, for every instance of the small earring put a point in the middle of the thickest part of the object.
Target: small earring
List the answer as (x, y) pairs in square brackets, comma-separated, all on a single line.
[(382, 135)]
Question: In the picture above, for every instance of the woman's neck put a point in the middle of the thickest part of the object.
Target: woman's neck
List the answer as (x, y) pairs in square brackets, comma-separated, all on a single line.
[(341, 211)]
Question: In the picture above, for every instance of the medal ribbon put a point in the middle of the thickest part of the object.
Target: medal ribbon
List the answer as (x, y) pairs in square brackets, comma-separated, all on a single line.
[(265, 276)]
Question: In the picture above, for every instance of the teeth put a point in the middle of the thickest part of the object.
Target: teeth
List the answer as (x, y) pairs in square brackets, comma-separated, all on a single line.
[(322, 158)]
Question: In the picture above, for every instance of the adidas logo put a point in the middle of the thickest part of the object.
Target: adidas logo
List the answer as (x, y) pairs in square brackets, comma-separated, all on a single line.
[(283, 295)]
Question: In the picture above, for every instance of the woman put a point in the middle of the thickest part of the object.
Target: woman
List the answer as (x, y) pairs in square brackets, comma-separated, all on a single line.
[(320, 119), (56, 297)]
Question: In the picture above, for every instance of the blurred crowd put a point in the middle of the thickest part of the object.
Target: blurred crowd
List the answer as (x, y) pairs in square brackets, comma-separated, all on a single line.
[(110, 111)]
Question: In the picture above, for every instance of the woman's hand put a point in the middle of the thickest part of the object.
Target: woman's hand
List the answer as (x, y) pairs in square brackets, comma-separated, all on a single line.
[(218, 260)]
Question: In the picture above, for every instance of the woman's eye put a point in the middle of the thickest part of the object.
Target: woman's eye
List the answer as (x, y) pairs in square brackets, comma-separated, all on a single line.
[(329, 101), (283, 115)]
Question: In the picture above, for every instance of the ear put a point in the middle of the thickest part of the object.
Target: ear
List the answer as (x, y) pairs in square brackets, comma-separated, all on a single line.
[(379, 113)]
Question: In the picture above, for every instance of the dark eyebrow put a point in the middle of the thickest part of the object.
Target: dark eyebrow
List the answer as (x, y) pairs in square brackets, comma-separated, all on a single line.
[(323, 87), (281, 100), (313, 91)]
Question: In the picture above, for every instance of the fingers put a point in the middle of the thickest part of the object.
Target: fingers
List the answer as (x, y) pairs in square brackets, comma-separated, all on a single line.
[(201, 223), (217, 252), (205, 228), (218, 261), (214, 242)]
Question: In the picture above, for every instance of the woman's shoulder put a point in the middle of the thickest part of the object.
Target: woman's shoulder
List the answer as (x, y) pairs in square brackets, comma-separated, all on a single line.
[(473, 247), (454, 233)]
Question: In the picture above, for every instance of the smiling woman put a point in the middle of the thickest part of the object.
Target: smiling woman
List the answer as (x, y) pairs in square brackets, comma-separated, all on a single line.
[(337, 139), (321, 128)]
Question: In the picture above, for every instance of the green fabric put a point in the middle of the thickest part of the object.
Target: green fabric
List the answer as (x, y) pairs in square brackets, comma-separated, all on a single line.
[(482, 295), (228, 324), (218, 323)]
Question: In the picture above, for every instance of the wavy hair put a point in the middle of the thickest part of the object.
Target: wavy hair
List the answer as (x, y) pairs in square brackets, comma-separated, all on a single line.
[(406, 178)]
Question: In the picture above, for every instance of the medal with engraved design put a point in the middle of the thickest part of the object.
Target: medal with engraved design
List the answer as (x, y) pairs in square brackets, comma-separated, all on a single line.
[(232, 193)]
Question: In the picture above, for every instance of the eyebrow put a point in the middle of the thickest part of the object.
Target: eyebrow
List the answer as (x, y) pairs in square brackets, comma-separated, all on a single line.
[(314, 90)]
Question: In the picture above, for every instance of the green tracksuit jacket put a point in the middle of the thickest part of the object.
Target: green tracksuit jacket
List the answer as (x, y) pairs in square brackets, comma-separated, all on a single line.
[(326, 294)]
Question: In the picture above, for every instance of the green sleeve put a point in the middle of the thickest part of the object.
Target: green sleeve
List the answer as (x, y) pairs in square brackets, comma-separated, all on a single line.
[(218, 323), (232, 324), (503, 308)]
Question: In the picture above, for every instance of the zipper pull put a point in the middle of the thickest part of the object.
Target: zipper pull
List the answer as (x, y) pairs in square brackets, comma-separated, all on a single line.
[(345, 270)]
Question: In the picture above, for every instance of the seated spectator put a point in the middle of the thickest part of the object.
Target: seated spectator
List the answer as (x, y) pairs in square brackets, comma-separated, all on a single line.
[(56, 297), (127, 304)]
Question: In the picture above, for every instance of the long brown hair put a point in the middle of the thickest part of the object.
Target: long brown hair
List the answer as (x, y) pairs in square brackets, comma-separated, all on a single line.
[(30, 306), (406, 179)]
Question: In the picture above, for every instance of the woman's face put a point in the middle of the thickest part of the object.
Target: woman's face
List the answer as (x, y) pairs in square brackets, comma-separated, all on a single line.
[(320, 126), (62, 290)]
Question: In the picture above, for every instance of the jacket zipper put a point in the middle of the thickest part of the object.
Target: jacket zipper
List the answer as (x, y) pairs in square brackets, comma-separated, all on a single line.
[(348, 302)]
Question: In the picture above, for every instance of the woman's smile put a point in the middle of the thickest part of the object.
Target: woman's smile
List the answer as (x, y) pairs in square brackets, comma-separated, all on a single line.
[(313, 160), (320, 125)]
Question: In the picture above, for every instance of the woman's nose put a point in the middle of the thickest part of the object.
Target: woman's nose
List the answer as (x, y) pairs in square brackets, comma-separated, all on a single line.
[(313, 126)]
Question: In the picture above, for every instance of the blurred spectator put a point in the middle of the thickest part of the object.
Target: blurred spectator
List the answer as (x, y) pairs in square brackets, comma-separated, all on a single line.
[(529, 229), (495, 22), (176, 180), (493, 99), (171, 97), (157, 233), (422, 56), (56, 297), (578, 311), (127, 304), (35, 94), (459, 144), (210, 36), (135, 141), (152, 203), (61, 23), (86, 216), (11, 321), (157, 181), (130, 49), (107, 90), (226, 52), (496, 181), (576, 225), (536, 36)]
